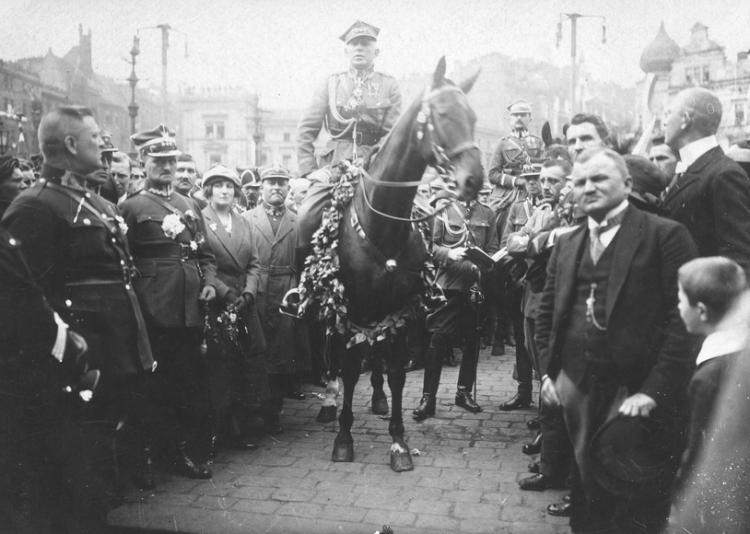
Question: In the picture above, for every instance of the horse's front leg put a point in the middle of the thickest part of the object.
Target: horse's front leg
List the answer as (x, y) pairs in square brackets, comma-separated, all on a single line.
[(343, 445), (327, 413), (379, 401), (400, 456)]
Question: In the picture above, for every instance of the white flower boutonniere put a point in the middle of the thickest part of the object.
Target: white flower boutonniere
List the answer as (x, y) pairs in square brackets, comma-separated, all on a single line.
[(172, 226), (190, 216), (193, 245)]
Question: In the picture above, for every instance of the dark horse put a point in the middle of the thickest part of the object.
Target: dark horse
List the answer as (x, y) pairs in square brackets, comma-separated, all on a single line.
[(382, 256)]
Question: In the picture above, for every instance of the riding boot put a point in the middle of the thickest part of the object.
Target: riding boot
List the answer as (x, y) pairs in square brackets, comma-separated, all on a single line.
[(143, 478), (432, 371), (186, 466)]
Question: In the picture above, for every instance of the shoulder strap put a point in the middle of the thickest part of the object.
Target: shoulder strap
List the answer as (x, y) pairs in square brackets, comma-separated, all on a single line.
[(82, 202)]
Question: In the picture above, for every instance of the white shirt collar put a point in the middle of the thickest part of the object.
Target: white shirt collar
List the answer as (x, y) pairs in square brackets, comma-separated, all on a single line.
[(622, 206), (722, 343), (692, 151)]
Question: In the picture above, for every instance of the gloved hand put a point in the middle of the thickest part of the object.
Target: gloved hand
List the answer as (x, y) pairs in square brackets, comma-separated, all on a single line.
[(208, 293)]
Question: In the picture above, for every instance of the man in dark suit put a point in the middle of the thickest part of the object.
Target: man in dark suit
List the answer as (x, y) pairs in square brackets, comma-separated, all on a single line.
[(609, 335), (710, 194)]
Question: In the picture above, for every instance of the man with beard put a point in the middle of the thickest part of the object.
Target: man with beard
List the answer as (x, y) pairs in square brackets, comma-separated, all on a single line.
[(177, 273), (275, 231)]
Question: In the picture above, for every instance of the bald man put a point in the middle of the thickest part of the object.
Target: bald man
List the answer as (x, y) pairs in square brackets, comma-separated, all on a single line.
[(710, 194)]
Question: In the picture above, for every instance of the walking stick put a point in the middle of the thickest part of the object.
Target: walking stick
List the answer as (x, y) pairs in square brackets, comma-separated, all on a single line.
[(476, 298)]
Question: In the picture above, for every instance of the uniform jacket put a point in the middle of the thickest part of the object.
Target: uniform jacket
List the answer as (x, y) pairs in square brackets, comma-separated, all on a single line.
[(287, 347), (77, 251), (461, 275), (511, 155), (712, 199), (172, 271), (647, 340), (377, 111), (237, 268)]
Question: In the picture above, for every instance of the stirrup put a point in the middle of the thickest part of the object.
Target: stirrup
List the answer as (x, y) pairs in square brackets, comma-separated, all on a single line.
[(290, 304)]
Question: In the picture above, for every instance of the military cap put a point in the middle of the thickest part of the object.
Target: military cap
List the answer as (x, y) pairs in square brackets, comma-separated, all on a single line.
[(360, 29), (275, 171), (220, 172), (486, 189), (519, 106), (250, 177), (158, 142), (531, 171), (107, 145)]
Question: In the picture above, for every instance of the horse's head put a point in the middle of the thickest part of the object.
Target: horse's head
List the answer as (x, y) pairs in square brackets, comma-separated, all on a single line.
[(447, 131)]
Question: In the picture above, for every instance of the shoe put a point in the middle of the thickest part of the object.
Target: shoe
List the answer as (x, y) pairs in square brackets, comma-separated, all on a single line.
[(538, 482), (143, 478), (533, 424), (464, 400), (517, 401), (534, 467), (533, 447), (295, 395), (184, 465), (498, 349), (426, 407), (561, 509)]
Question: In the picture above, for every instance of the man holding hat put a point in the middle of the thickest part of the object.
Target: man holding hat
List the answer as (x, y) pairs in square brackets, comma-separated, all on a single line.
[(611, 343), (177, 270), (275, 230), (357, 107)]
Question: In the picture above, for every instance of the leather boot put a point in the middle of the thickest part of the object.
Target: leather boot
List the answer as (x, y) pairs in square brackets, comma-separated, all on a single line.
[(534, 446), (466, 401), (185, 465), (143, 478), (426, 407)]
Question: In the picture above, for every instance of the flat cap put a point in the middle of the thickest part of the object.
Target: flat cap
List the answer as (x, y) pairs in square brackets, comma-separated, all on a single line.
[(158, 142), (519, 106), (220, 172), (275, 171), (360, 29)]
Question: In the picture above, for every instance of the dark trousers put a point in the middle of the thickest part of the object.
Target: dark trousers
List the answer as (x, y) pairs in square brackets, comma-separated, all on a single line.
[(586, 407), (514, 298), (180, 387), (456, 320)]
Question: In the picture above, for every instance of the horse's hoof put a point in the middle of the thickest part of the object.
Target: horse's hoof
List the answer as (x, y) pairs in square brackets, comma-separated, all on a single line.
[(401, 461), (327, 414), (343, 452), (379, 403)]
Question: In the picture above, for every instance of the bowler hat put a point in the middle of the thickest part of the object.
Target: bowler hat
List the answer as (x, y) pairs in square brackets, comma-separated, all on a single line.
[(220, 172), (629, 455)]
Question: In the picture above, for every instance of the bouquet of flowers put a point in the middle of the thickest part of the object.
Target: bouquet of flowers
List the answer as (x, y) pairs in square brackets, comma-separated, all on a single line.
[(172, 226), (223, 328)]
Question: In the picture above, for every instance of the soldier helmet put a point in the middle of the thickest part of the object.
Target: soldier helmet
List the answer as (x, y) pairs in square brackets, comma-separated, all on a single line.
[(360, 29), (158, 142)]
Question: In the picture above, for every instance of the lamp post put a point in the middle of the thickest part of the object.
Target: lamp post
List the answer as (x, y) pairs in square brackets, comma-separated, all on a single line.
[(4, 136), (573, 17), (133, 80)]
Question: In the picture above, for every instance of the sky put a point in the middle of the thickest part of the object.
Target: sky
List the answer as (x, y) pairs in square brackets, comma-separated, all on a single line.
[(284, 48)]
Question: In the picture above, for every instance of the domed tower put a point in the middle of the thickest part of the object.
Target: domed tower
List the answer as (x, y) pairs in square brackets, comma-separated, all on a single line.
[(659, 55)]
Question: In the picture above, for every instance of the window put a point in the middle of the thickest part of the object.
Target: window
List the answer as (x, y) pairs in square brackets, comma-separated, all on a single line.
[(286, 160), (215, 130), (214, 159), (739, 114), (287, 137)]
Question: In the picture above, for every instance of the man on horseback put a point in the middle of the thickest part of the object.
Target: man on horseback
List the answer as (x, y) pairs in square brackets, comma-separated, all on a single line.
[(357, 108)]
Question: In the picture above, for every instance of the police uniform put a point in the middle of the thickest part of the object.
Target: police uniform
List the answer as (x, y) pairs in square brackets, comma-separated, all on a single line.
[(355, 108), (458, 318), (167, 239)]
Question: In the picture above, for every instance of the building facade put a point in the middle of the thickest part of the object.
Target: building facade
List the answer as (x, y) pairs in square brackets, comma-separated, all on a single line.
[(701, 62)]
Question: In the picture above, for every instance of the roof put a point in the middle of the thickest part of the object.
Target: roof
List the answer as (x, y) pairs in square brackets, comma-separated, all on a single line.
[(659, 55)]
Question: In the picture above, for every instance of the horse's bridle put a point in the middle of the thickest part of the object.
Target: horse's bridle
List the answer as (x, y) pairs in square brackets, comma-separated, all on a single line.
[(440, 156)]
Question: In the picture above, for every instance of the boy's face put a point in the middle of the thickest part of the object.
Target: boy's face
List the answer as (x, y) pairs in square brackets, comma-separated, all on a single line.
[(691, 315)]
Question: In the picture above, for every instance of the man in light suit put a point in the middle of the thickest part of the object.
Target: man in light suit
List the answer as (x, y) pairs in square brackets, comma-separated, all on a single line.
[(710, 194), (609, 335)]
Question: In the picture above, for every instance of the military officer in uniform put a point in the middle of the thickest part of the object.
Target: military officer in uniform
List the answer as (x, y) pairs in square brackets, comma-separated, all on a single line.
[(76, 247), (177, 271), (357, 107)]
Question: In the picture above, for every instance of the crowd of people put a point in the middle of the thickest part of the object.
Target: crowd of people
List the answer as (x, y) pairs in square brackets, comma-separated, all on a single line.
[(140, 301)]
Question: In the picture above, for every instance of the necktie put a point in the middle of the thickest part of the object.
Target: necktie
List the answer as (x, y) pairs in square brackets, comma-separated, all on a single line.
[(597, 248)]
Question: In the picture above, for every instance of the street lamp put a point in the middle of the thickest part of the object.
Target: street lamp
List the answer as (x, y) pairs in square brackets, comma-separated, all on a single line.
[(133, 80), (4, 135), (573, 17)]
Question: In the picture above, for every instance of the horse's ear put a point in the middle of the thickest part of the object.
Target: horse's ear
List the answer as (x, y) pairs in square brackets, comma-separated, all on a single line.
[(547, 134), (468, 83), (439, 77)]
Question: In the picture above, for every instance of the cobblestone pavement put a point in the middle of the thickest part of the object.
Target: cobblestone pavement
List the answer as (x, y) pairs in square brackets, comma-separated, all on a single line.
[(464, 480)]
